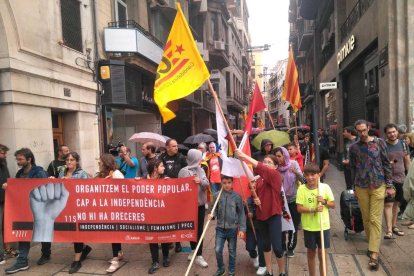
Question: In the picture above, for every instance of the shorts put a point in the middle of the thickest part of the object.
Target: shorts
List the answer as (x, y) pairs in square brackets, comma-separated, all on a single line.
[(399, 194), (313, 239)]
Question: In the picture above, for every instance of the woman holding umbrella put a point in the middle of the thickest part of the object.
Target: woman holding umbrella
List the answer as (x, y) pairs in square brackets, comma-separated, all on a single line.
[(269, 213)]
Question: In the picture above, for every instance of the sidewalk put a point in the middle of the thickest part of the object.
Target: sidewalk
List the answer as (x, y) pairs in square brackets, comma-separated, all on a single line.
[(344, 257)]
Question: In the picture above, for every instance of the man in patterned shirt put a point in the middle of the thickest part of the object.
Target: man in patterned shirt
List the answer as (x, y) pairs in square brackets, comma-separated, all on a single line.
[(372, 175)]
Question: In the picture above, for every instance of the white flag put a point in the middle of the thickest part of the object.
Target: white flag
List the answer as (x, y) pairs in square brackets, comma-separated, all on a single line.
[(231, 166)]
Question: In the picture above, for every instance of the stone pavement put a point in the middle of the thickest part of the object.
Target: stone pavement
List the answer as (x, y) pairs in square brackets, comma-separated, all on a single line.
[(344, 257)]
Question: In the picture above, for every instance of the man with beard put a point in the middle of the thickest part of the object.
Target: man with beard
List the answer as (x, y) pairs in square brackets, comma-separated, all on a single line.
[(173, 163), (4, 174), (26, 161), (59, 164), (372, 176), (399, 157), (148, 153)]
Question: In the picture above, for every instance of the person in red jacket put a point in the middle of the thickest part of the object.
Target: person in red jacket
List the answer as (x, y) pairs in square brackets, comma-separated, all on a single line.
[(295, 154), (269, 211)]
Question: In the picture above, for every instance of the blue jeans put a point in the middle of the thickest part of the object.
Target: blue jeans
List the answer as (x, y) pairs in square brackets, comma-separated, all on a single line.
[(223, 235), (252, 243), (24, 248)]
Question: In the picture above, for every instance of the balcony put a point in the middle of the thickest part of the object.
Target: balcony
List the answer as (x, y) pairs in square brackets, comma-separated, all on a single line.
[(129, 37), (356, 13), (218, 55), (305, 35)]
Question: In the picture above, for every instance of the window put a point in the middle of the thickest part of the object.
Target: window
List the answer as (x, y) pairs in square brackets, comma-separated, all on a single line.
[(71, 24), (121, 10)]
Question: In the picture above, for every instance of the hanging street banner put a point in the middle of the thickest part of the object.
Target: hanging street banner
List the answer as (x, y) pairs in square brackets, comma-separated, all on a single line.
[(101, 210)]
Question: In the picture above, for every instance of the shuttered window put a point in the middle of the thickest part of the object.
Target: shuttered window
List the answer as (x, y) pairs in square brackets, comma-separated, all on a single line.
[(71, 24)]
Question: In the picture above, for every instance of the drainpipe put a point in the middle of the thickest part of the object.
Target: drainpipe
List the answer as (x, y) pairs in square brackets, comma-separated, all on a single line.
[(95, 76)]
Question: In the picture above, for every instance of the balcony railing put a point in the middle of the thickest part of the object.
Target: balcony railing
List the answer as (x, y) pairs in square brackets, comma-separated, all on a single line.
[(131, 24), (356, 13)]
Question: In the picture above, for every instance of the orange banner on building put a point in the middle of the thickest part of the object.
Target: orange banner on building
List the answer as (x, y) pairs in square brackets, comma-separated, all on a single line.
[(101, 210)]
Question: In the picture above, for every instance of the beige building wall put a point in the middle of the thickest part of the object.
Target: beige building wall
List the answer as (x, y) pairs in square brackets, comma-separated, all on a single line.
[(35, 68)]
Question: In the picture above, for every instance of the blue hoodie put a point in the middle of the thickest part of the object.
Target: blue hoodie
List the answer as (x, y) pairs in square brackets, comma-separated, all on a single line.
[(35, 172)]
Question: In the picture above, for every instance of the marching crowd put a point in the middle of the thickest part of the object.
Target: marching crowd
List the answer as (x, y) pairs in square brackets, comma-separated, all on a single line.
[(375, 168)]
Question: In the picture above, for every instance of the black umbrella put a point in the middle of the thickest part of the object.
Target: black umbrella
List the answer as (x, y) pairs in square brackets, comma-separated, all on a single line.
[(198, 138), (211, 131)]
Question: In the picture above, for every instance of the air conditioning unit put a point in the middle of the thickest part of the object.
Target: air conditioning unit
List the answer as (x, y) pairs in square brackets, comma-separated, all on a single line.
[(219, 45)]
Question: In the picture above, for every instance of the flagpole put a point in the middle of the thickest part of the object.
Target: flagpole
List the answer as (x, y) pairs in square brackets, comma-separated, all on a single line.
[(202, 235), (322, 235), (271, 119), (232, 142), (247, 207)]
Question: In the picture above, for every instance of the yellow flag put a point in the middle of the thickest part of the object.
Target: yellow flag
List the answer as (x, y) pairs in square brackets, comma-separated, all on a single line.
[(181, 70)]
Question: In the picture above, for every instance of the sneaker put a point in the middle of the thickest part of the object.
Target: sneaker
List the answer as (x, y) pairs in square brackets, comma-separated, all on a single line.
[(232, 273), (255, 262), (85, 252), (190, 256), (114, 265), (74, 267), (201, 262), (220, 273), (282, 274), (178, 247), (16, 268), (166, 262), (2, 260), (120, 257), (43, 259), (155, 266), (290, 253), (261, 271), (268, 273)]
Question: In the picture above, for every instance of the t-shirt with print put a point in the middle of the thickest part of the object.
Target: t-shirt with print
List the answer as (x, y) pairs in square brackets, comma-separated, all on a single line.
[(396, 154), (307, 198)]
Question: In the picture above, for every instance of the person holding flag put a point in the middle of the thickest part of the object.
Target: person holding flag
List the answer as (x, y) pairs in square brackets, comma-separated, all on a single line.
[(270, 209), (313, 198)]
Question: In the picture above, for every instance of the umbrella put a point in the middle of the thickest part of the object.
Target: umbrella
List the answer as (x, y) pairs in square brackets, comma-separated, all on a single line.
[(300, 128), (211, 131), (143, 137), (278, 138), (182, 147), (198, 138)]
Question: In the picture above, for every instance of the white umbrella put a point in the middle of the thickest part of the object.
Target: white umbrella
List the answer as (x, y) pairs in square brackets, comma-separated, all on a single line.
[(143, 137)]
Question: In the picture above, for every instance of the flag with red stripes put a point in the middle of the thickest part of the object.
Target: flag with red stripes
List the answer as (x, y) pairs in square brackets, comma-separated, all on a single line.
[(291, 91)]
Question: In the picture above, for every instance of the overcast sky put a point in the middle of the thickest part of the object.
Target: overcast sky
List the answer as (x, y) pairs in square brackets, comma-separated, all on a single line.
[(268, 24)]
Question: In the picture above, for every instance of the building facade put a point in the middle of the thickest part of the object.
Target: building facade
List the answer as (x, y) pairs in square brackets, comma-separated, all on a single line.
[(47, 90), (87, 74), (363, 47)]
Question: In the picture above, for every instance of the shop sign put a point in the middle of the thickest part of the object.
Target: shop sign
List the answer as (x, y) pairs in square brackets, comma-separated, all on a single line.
[(345, 50), (327, 85)]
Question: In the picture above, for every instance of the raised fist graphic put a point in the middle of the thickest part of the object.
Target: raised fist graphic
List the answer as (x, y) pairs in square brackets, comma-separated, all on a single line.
[(47, 202)]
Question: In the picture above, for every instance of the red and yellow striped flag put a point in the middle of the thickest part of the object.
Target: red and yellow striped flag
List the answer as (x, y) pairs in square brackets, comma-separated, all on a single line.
[(291, 91), (181, 70)]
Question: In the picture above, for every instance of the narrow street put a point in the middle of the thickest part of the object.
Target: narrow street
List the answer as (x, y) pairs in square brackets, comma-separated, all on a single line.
[(344, 257)]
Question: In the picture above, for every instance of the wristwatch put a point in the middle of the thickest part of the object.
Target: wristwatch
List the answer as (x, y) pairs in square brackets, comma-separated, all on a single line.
[(326, 202)]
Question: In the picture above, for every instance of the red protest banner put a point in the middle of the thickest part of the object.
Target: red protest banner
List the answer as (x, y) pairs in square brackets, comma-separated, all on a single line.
[(101, 210)]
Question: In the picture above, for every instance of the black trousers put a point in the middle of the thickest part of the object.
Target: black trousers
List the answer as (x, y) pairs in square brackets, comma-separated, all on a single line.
[(292, 237), (348, 179), (154, 251)]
